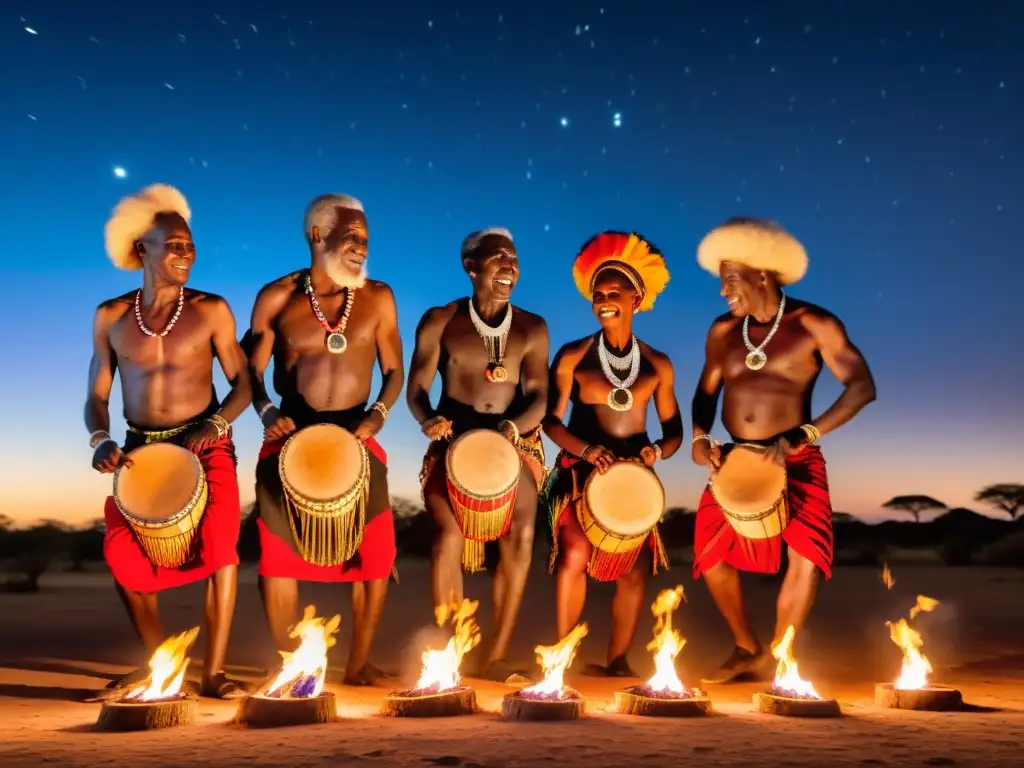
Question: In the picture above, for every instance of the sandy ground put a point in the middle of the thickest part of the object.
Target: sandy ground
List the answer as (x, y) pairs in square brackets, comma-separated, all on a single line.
[(57, 647)]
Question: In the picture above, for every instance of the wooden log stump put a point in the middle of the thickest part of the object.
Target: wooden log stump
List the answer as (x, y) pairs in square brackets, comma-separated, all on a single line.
[(265, 712), (934, 698), (450, 703), (638, 701), (515, 706), (121, 715), (773, 704)]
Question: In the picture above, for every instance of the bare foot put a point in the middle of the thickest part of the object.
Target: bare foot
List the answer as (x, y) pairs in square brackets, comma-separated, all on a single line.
[(741, 664)]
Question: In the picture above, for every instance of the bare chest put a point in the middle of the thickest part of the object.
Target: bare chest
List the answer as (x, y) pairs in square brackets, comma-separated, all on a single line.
[(187, 344), (465, 348), (593, 385), (299, 331), (790, 353)]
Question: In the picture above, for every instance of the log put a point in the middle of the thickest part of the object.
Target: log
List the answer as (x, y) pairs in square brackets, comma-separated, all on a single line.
[(515, 706), (934, 698), (266, 712), (773, 704), (450, 703), (638, 701), (134, 715)]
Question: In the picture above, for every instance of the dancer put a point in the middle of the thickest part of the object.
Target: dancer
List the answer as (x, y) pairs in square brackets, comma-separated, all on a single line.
[(493, 362), (765, 354), (620, 274), (161, 340), (325, 328)]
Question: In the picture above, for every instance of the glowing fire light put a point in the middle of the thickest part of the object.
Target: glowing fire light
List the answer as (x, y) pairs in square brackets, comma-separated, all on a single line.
[(787, 677), (916, 667), (554, 660), (441, 668), (303, 670), (167, 669), (667, 644), (887, 578)]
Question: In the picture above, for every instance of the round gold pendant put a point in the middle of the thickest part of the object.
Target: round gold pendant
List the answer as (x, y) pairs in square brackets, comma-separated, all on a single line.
[(756, 360), (498, 374), (620, 399), (336, 343)]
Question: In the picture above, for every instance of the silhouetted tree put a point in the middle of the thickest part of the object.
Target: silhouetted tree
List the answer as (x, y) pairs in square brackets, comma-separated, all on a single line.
[(842, 517), (1006, 496), (914, 505), (86, 544), (35, 549)]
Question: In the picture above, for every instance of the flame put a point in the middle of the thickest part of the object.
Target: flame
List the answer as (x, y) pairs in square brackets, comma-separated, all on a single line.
[(554, 660), (916, 667), (304, 669), (787, 676), (887, 578), (667, 643), (441, 668), (166, 669)]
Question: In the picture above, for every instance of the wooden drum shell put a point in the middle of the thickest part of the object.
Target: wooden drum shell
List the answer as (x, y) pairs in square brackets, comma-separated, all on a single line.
[(764, 521), (479, 517)]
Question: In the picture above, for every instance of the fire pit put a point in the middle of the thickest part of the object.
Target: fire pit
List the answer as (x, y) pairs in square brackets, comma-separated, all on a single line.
[(791, 695), (550, 699), (664, 695), (911, 689), (438, 692), (156, 702), (296, 696)]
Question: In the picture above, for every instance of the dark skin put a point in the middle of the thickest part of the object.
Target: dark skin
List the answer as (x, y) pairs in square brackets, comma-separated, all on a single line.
[(447, 342), (577, 378), (285, 330), (165, 382), (772, 404)]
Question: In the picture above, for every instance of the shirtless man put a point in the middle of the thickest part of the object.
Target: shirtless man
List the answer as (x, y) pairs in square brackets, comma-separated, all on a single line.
[(162, 339), (620, 274), (493, 361), (766, 354), (325, 328)]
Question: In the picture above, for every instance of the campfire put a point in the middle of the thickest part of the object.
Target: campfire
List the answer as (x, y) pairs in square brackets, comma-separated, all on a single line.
[(550, 699), (790, 694), (157, 701), (296, 695), (438, 692), (664, 694)]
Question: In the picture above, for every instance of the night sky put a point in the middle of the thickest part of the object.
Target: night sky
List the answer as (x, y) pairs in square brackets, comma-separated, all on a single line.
[(887, 136)]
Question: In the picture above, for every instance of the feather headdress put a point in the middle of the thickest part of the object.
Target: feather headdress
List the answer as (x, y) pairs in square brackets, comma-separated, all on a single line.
[(628, 253), (134, 216), (760, 244)]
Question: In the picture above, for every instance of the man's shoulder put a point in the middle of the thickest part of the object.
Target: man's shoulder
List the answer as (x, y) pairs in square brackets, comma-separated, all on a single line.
[(378, 290), (114, 308), (280, 288), (213, 304), (813, 317), (439, 315), (530, 320), (573, 351), (658, 358)]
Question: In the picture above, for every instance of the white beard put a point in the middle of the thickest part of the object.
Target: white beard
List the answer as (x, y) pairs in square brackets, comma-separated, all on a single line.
[(341, 276)]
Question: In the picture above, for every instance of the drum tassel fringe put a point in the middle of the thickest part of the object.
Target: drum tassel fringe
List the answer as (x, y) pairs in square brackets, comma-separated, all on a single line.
[(332, 540)]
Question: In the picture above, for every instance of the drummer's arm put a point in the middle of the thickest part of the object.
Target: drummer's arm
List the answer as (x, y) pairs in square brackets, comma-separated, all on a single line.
[(847, 364), (425, 358), (533, 380), (667, 407), (232, 359), (101, 374), (563, 373), (389, 350), (709, 386), (260, 340)]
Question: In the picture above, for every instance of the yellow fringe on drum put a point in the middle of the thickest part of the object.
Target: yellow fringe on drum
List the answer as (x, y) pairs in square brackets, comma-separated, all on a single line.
[(329, 539), (473, 555)]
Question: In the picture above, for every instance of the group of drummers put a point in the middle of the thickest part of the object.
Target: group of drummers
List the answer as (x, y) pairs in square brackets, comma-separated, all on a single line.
[(322, 502)]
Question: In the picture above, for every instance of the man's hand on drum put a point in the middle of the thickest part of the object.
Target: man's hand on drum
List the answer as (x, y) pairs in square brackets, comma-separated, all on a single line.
[(276, 425), (648, 456), (707, 454), (108, 456), (785, 445), (599, 456), (202, 436), (437, 428), (371, 424)]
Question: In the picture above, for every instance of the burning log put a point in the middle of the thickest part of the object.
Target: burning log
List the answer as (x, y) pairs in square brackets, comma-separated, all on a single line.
[(297, 696), (664, 695), (791, 695), (438, 692), (156, 702), (911, 689), (550, 699)]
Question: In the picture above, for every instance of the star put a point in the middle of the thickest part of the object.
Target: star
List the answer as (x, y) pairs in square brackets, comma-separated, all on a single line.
[(617, 119), (564, 122), (120, 172)]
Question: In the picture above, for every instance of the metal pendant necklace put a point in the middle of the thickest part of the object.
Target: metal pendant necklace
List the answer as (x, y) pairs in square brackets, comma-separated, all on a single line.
[(335, 342), (757, 358), (495, 342), (174, 317), (620, 398)]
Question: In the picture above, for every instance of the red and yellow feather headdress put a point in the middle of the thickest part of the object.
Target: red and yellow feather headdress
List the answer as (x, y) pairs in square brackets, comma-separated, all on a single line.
[(628, 253)]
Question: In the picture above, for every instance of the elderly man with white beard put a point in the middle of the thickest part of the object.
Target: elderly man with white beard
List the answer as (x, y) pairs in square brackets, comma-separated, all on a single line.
[(325, 327)]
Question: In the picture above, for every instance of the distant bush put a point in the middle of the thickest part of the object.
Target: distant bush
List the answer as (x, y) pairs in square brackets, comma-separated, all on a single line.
[(1008, 551)]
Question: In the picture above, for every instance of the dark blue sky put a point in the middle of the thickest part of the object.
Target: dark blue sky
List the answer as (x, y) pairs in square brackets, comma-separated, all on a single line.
[(887, 136)]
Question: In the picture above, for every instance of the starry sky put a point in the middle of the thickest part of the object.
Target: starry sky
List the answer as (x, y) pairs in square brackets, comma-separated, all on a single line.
[(887, 136)]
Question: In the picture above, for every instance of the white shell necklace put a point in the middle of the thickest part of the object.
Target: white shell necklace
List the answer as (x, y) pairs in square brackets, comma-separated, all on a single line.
[(495, 341), (757, 358), (620, 398), (174, 317)]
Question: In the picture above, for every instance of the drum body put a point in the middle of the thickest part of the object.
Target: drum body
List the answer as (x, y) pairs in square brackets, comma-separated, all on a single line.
[(482, 472), (751, 491), (617, 513), (163, 496), (325, 475)]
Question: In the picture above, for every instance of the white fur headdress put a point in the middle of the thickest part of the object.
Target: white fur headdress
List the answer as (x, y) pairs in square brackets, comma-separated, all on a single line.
[(760, 244), (134, 216), (473, 239), (321, 212)]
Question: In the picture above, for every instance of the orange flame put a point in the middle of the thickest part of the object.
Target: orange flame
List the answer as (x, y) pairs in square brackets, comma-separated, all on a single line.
[(308, 662), (554, 660), (667, 643), (787, 676), (441, 668), (167, 668), (887, 578), (916, 667)]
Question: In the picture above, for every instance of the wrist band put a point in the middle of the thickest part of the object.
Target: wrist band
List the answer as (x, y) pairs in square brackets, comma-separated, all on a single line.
[(222, 425), (502, 425), (657, 451), (380, 408), (266, 407), (98, 437), (812, 432), (704, 436)]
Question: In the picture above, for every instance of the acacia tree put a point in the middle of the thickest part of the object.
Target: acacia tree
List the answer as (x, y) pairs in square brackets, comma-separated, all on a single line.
[(1005, 496), (914, 505)]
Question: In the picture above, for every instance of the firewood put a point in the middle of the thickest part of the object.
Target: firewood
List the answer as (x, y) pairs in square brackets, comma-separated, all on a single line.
[(931, 699), (772, 704), (265, 712), (634, 701), (457, 701), (118, 715), (515, 706)]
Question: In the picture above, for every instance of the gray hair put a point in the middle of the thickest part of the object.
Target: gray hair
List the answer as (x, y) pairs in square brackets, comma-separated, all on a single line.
[(472, 241), (322, 212)]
